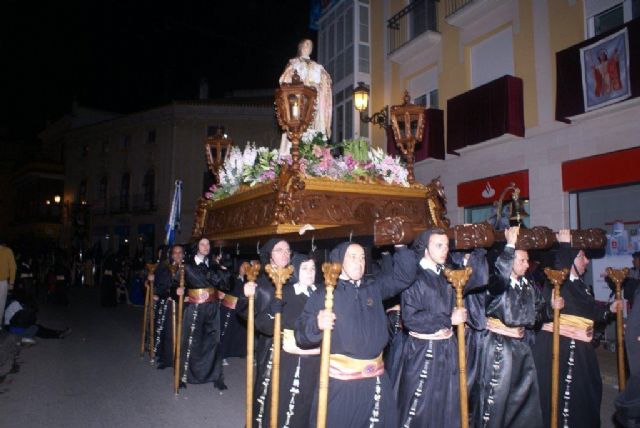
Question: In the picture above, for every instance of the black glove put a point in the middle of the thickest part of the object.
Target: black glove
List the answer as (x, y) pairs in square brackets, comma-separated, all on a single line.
[(277, 305)]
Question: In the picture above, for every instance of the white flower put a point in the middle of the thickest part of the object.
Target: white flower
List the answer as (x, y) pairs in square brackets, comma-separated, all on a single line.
[(249, 155)]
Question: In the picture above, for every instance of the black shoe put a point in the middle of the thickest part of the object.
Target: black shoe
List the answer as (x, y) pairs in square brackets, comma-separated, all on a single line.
[(219, 384), (161, 366), (182, 385)]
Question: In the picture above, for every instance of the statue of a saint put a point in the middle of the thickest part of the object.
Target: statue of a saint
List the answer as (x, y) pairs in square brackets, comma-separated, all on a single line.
[(312, 74)]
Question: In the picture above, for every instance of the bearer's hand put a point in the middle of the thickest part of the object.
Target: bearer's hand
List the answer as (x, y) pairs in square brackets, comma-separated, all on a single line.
[(250, 289), (156, 297), (151, 277), (180, 291), (511, 234), (564, 236), (616, 306), (458, 316), (326, 320), (557, 302)]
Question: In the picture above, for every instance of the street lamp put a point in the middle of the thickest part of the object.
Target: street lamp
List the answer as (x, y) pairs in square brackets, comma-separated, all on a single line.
[(216, 148), (407, 122), (295, 105), (56, 199), (361, 103)]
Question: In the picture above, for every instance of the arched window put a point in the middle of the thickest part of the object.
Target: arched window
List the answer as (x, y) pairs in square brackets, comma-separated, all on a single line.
[(102, 193), (82, 192), (149, 189), (125, 183)]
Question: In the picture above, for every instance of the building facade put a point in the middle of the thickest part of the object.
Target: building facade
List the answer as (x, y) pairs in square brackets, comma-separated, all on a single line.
[(120, 172), (506, 76)]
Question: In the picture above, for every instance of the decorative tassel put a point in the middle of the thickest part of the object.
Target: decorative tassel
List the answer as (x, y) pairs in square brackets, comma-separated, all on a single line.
[(294, 390), (192, 329), (497, 360), (265, 388), (568, 379), (424, 374)]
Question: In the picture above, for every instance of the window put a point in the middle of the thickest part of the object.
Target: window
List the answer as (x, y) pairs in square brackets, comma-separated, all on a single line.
[(151, 136), (482, 213), (429, 99), (492, 58), (149, 188), (605, 15), (82, 192), (102, 192), (125, 183)]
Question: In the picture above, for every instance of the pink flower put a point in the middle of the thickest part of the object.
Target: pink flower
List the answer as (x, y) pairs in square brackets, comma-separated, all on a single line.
[(317, 151)]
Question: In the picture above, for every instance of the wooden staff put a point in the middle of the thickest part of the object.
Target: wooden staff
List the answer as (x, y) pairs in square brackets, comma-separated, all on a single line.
[(251, 271), (618, 276), (279, 276), (148, 306), (458, 278), (556, 277), (178, 348), (173, 327), (145, 315), (331, 272)]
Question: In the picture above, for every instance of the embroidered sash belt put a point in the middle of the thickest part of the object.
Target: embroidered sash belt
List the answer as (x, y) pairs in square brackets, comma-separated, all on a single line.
[(443, 334), (290, 346), (573, 327), (496, 326), (202, 295), (229, 301), (347, 368)]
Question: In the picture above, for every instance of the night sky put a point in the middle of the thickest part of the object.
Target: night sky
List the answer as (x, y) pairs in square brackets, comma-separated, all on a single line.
[(125, 56)]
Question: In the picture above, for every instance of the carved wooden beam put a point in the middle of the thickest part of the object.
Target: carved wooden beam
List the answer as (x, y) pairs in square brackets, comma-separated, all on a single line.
[(397, 230)]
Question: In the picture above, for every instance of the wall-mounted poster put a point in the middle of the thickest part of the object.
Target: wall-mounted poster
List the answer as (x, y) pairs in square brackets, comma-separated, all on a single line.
[(605, 71)]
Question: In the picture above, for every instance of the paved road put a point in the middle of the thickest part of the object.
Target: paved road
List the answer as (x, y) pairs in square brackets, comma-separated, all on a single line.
[(95, 378)]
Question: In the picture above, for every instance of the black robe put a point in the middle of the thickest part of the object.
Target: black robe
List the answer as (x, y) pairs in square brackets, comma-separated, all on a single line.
[(428, 380), (296, 391), (506, 389), (263, 319), (164, 286), (583, 390), (233, 330), (360, 332), (201, 327)]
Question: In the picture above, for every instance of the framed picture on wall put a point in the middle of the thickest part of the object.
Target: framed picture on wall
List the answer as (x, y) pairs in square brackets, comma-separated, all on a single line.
[(605, 71)]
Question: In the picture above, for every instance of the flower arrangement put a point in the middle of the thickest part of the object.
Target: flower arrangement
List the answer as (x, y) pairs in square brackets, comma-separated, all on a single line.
[(360, 162)]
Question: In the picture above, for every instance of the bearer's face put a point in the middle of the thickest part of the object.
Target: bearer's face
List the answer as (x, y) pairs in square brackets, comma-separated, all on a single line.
[(203, 247), (438, 249), (580, 262), (354, 261), (177, 254), (281, 254), (520, 263), (306, 47), (307, 273)]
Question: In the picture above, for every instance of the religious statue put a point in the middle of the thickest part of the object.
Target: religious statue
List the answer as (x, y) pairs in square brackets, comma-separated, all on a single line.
[(312, 74)]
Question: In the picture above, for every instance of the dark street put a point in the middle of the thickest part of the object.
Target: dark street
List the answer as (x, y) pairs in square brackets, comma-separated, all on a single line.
[(95, 378)]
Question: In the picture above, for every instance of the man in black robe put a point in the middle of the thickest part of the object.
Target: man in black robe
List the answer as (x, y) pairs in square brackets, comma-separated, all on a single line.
[(360, 392), (165, 282), (428, 382), (506, 389), (277, 253), (233, 330), (580, 383), (201, 326)]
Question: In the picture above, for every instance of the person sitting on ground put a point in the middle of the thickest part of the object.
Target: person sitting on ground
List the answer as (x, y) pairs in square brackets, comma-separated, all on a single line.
[(21, 319)]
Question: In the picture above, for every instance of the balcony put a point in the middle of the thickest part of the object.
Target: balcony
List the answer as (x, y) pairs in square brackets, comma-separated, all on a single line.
[(432, 144), (485, 113), (463, 13), (413, 30), (570, 94)]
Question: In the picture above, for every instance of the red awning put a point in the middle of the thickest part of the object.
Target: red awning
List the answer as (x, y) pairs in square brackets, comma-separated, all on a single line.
[(609, 169), (487, 190)]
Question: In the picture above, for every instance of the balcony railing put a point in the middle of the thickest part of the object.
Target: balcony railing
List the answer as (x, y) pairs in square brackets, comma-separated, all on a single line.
[(412, 21), (484, 113), (452, 6)]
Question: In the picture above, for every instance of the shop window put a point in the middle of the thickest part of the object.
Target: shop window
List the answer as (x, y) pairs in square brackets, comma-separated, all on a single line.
[(482, 213)]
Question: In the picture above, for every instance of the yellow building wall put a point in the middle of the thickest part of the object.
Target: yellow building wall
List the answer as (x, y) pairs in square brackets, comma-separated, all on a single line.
[(566, 28)]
